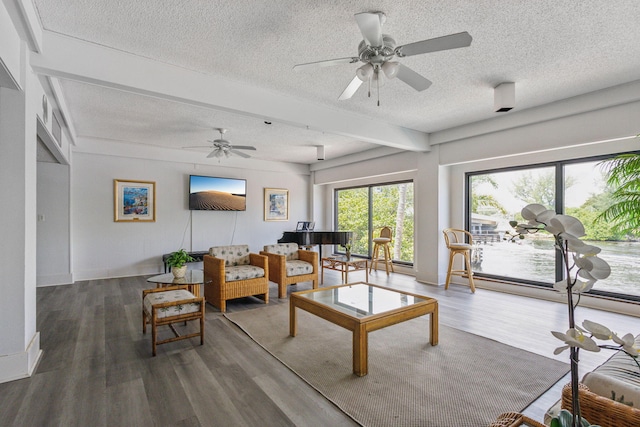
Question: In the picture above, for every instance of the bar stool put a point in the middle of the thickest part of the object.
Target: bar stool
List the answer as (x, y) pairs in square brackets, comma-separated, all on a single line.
[(382, 242), (456, 241)]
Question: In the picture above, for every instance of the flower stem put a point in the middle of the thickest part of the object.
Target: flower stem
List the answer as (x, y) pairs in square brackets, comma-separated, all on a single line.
[(574, 351)]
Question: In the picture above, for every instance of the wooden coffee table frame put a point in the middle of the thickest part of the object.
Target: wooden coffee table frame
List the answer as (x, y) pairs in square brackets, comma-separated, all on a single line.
[(363, 325), (344, 266)]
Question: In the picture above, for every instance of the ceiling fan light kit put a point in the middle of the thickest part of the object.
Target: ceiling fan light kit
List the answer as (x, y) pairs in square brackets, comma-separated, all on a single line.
[(391, 69), (377, 50), (365, 72)]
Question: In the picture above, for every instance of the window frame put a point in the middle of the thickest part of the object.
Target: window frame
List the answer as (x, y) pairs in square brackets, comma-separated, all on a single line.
[(370, 230), (559, 207)]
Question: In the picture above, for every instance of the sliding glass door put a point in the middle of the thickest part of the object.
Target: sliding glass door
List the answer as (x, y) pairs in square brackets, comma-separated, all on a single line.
[(365, 210)]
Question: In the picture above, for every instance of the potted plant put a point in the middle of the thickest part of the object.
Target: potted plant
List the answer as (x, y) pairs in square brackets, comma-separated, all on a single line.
[(347, 248), (582, 269), (178, 261)]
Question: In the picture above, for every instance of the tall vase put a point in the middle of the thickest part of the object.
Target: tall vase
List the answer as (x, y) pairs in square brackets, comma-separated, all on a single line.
[(348, 255)]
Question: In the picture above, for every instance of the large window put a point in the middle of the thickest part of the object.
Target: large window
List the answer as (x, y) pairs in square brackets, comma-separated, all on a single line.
[(576, 188), (365, 210)]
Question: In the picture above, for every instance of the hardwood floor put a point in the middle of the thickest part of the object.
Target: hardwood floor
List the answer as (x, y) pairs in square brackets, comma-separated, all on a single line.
[(97, 368)]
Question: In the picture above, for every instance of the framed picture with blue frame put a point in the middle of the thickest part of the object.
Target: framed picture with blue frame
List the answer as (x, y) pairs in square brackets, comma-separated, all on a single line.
[(134, 201)]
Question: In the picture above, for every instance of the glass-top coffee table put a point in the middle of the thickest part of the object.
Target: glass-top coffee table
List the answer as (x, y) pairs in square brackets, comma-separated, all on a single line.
[(192, 278), (362, 308)]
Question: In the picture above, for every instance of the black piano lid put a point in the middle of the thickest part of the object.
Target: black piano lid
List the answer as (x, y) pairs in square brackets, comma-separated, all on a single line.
[(309, 238)]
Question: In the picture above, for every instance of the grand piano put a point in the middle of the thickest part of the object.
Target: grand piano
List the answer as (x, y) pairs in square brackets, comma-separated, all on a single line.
[(312, 238)]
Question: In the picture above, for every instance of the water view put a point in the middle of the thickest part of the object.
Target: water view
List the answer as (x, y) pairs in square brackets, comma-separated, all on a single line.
[(534, 260)]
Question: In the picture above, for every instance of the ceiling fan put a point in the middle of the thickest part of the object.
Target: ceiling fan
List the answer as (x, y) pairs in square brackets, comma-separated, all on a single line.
[(223, 147), (377, 50)]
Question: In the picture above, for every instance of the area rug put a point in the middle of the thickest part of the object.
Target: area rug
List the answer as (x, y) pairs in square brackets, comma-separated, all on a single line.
[(466, 380)]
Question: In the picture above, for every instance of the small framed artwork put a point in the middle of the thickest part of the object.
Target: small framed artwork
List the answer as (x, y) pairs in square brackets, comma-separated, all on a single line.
[(276, 204), (134, 201)]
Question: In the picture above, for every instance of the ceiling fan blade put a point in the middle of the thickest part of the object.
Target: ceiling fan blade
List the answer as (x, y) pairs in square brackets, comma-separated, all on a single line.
[(370, 25), (214, 153), (198, 146), (239, 153), (412, 78), (351, 89), (325, 63), (242, 147), (452, 41)]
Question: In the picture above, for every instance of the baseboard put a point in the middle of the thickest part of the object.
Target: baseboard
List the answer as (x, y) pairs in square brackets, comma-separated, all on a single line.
[(21, 365), (53, 280), (141, 270)]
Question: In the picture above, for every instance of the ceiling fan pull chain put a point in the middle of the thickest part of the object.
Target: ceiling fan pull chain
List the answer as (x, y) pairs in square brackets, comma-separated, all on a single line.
[(378, 84)]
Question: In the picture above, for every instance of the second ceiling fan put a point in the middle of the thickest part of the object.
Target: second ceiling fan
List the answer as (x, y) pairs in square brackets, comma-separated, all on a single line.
[(377, 50), (223, 147)]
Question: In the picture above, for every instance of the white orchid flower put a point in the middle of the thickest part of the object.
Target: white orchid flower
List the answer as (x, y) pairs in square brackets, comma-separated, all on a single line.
[(526, 228), (578, 287), (581, 286), (531, 212), (545, 217), (599, 331), (597, 268), (577, 246), (561, 286), (575, 338), (628, 344), (583, 249), (561, 225)]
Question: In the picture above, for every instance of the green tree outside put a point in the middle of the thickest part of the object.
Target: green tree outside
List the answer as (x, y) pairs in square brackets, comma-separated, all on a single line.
[(390, 203)]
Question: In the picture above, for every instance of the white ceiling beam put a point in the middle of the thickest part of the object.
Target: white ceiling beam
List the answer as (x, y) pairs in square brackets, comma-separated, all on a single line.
[(68, 58)]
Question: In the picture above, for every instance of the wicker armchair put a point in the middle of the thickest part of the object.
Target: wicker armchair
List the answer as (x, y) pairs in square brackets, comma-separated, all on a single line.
[(232, 272), (289, 265), (601, 410)]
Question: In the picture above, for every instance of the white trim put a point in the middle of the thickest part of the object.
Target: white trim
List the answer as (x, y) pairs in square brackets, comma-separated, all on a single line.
[(54, 280), (592, 301), (21, 365), (50, 142), (6, 78)]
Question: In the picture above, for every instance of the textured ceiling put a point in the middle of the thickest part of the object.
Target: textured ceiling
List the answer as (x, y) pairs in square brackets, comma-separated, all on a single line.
[(552, 49)]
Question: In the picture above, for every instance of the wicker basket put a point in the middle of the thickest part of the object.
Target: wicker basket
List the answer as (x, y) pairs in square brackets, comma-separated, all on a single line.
[(600, 410), (515, 419)]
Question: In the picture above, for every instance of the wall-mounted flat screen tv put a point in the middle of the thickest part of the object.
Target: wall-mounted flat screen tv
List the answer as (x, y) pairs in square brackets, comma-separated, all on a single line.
[(211, 193)]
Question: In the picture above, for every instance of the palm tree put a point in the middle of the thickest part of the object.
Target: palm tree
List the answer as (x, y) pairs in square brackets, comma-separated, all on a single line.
[(623, 174)]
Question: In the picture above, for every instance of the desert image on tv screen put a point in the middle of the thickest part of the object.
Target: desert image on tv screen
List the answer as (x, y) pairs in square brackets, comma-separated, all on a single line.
[(217, 194)]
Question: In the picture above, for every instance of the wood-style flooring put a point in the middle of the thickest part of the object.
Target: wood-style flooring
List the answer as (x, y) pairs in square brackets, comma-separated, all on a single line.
[(97, 368)]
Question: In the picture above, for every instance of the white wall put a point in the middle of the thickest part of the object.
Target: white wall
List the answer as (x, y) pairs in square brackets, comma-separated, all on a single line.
[(103, 248), (53, 226)]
